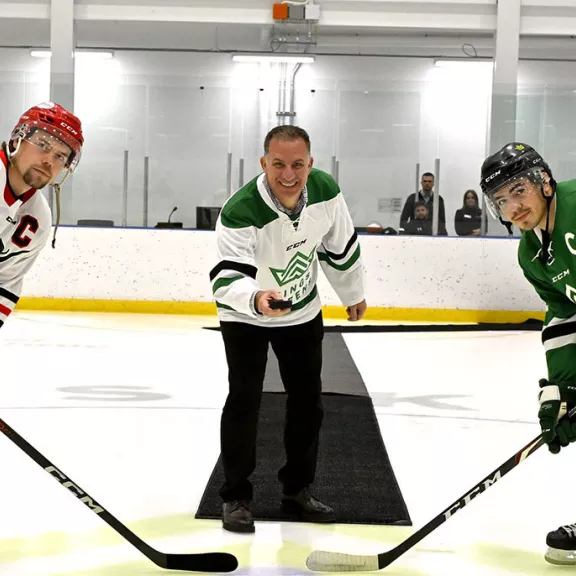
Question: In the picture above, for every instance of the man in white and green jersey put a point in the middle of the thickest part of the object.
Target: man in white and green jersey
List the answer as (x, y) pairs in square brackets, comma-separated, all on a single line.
[(271, 235), (519, 187)]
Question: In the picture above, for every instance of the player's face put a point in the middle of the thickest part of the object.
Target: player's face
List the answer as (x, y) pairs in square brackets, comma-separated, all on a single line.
[(287, 166), (522, 203), (41, 158)]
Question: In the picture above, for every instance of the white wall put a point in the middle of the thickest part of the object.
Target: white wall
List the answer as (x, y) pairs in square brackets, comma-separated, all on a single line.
[(173, 265), (24, 81), (547, 113)]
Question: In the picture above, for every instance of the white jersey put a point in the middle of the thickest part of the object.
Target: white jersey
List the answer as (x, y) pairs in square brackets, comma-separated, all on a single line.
[(25, 224), (262, 248)]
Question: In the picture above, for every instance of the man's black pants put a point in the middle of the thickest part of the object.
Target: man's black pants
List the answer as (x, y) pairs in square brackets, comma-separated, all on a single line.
[(299, 352)]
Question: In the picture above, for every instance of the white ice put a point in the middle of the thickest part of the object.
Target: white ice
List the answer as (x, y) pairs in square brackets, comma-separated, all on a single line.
[(128, 406)]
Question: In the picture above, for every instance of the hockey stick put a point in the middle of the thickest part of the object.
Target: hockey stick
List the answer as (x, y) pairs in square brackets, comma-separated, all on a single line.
[(207, 562), (323, 561)]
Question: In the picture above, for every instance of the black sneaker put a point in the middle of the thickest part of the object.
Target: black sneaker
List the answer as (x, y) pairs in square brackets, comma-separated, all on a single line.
[(304, 507), (562, 546), (236, 517)]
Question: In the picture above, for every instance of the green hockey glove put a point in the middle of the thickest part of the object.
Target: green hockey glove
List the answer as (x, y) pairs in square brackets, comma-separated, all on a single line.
[(557, 431)]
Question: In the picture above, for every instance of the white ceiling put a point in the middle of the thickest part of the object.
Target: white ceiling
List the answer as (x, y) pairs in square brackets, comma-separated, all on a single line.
[(374, 27)]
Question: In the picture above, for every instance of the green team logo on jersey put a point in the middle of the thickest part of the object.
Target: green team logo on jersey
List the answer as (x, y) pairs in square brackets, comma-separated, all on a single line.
[(551, 258), (297, 267)]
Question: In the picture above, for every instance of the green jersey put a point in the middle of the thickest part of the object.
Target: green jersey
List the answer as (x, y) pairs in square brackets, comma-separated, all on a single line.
[(555, 283)]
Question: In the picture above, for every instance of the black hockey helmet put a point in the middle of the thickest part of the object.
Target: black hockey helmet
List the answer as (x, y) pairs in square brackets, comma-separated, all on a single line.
[(513, 161)]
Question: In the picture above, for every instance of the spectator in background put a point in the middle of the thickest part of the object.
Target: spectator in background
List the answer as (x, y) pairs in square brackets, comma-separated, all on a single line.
[(419, 224), (426, 195), (468, 219)]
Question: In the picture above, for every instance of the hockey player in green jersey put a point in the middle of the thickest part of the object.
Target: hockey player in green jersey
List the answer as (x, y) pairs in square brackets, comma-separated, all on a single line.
[(519, 187)]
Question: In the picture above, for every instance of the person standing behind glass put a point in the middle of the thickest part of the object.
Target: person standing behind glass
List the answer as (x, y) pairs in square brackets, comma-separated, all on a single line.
[(467, 220), (426, 195)]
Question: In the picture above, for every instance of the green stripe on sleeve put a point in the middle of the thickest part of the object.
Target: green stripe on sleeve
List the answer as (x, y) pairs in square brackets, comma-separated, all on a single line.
[(223, 282), (342, 267), (306, 300)]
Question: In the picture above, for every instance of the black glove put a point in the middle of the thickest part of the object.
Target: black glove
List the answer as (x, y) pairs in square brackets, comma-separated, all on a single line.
[(557, 430)]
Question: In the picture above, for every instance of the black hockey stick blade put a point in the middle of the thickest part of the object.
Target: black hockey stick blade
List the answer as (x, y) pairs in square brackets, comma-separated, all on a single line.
[(324, 561), (208, 562)]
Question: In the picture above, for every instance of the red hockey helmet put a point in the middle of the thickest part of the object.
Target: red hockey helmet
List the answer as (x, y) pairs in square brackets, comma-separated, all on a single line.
[(58, 122)]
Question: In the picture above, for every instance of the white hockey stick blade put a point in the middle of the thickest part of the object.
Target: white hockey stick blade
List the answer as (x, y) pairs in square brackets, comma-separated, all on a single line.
[(322, 561)]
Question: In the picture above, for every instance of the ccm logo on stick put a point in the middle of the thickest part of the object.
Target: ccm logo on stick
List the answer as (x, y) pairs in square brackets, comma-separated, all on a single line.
[(62, 478), (478, 490)]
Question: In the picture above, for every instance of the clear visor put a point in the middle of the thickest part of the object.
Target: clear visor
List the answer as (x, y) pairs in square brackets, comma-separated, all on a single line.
[(53, 143), (509, 198)]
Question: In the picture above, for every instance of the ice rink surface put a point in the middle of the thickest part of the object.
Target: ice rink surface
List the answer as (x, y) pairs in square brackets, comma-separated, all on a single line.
[(128, 406)]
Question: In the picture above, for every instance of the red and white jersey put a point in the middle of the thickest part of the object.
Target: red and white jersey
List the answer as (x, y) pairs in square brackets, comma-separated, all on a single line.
[(25, 224)]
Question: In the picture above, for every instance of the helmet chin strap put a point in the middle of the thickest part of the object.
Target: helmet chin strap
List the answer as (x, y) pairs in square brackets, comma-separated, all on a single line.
[(56, 186), (544, 254), (506, 224), (57, 192)]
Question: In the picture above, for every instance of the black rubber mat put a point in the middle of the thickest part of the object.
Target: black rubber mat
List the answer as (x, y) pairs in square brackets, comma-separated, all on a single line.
[(354, 474), (530, 324), (339, 372)]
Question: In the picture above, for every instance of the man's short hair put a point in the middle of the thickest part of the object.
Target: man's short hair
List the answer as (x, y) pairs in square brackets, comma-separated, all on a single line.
[(427, 174), (418, 204), (286, 132)]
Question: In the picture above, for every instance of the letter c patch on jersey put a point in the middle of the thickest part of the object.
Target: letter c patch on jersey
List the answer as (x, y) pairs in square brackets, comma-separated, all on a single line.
[(568, 237), (22, 235)]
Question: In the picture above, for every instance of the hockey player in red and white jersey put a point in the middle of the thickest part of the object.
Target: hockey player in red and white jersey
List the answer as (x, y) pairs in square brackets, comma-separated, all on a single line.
[(44, 147)]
